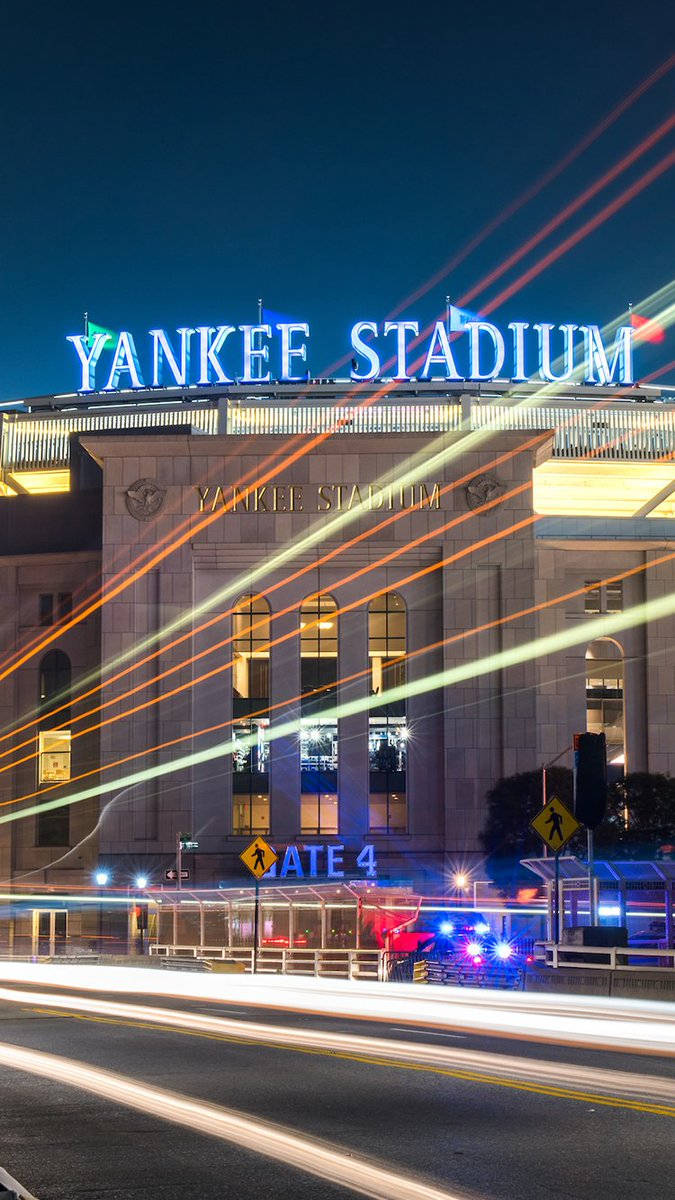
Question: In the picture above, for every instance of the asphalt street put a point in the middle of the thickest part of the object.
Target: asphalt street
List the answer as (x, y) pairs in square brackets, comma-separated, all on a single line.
[(467, 1136)]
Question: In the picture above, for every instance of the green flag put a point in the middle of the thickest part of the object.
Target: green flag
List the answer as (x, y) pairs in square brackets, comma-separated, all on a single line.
[(91, 329)]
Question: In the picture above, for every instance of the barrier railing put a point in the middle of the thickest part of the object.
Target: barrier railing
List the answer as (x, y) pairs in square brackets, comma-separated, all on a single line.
[(614, 958), (336, 964)]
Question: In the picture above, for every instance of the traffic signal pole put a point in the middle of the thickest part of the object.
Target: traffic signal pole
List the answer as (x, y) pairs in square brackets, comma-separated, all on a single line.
[(544, 799), (179, 859)]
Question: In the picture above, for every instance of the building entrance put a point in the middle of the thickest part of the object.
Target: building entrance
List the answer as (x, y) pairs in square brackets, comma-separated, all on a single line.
[(50, 931)]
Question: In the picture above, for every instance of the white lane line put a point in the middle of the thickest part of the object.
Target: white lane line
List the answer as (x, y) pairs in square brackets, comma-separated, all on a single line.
[(14, 1186), (426, 1032), (273, 1141)]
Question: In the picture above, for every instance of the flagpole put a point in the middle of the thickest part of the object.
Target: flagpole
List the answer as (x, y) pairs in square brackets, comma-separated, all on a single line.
[(86, 326)]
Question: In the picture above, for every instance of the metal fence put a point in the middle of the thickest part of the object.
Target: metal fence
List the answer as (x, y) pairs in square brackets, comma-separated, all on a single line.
[(615, 958), (336, 964)]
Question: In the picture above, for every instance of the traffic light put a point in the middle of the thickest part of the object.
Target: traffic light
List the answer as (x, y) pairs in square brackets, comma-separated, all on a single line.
[(590, 778), (141, 913)]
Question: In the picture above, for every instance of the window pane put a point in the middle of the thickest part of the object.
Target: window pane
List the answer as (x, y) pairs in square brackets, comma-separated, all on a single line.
[(614, 596), (377, 814), (65, 604), (251, 814), (46, 609), (54, 756), (592, 597)]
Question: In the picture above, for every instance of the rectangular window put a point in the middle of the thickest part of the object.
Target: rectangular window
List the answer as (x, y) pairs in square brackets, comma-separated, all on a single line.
[(251, 814), (387, 813), (53, 828), (54, 756), (614, 596), (46, 608), (318, 812), (592, 597), (65, 604)]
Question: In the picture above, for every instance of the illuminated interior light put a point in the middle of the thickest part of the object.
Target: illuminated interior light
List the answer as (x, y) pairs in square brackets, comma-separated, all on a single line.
[(601, 489), (38, 483)]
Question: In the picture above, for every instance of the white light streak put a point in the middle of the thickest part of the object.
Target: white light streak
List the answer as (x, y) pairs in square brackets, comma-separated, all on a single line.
[(260, 1137), (624, 1084), (599, 1022)]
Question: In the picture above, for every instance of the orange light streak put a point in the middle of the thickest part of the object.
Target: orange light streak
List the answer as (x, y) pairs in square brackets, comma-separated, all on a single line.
[(537, 439), (222, 667), (158, 556), (486, 626)]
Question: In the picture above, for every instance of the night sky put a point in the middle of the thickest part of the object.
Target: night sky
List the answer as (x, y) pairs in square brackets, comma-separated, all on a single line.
[(165, 166)]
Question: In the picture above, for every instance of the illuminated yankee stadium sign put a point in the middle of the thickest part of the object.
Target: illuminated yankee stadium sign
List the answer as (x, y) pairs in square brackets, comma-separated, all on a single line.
[(456, 349)]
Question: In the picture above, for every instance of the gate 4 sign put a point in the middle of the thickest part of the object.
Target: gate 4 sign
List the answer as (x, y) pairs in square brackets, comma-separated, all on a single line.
[(259, 857), (555, 824)]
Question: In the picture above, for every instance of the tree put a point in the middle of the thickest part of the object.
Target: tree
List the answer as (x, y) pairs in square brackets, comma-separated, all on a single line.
[(506, 836), (648, 802), (640, 818)]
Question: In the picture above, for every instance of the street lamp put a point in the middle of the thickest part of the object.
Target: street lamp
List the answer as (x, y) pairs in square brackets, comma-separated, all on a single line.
[(102, 878), (141, 881)]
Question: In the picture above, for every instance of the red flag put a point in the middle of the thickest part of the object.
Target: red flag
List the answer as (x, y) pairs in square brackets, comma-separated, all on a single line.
[(647, 330)]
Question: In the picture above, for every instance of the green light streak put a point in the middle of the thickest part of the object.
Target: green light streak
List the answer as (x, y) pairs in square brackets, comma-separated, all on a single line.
[(587, 631), (434, 456)]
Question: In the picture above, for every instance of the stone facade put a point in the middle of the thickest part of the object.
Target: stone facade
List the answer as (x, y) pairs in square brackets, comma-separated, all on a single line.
[(476, 585)]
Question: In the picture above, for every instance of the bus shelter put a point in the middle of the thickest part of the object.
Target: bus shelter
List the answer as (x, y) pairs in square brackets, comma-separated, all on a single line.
[(637, 894)]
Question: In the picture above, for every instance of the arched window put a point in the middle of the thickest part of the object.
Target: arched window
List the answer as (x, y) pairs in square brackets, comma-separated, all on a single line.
[(54, 743), (388, 730), (604, 697), (250, 685), (318, 732), (55, 675)]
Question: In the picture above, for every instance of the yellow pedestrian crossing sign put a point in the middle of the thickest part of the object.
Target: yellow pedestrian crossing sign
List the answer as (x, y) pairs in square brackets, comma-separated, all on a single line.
[(259, 857), (555, 824)]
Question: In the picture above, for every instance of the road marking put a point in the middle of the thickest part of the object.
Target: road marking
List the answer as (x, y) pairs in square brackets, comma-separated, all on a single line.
[(344, 1168), (657, 1110)]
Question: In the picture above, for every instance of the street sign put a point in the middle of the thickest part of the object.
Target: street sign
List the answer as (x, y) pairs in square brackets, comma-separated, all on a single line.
[(555, 824), (172, 873), (189, 844), (259, 857)]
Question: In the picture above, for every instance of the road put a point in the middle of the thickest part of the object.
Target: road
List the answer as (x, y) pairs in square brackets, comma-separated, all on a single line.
[(461, 1112)]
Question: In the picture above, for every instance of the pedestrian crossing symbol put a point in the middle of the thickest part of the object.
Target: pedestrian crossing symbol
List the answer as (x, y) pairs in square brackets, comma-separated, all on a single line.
[(259, 857), (555, 824)]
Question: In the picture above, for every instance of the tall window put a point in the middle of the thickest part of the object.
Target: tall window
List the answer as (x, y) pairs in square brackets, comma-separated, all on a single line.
[(388, 730), (604, 697), (318, 732), (250, 679), (54, 749)]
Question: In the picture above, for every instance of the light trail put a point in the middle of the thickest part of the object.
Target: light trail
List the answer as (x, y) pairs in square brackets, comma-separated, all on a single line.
[(645, 1090), (399, 551), (570, 209), (189, 684), (345, 1169), (664, 164), (328, 556), (586, 631), (594, 1022), (532, 191), (434, 456), (669, 366), (345, 679), (185, 536), (494, 224)]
